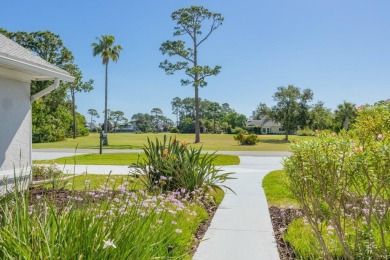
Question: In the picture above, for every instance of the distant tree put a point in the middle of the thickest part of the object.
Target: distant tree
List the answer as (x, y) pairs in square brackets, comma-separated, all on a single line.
[(93, 113), (189, 22), (167, 124), (262, 111), (142, 122), (176, 108), (51, 116), (303, 108), (188, 107), (156, 114), (116, 118), (320, 117), (235, 119), (383, 102), (212, 112), (187, 125), (76, 86), (287, 110), (345, 114), (107, 50)]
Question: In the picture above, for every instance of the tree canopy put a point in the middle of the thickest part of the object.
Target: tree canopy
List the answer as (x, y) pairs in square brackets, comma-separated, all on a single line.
[(51, 114), (291, 107), (191, 22)]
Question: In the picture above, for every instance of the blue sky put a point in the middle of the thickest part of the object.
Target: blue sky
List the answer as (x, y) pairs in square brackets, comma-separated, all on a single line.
[(339, 49)]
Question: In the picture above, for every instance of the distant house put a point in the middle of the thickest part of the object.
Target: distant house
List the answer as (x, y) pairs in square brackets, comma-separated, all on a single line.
[(125, 128), (18, 67), (267, 126), (91, 126)]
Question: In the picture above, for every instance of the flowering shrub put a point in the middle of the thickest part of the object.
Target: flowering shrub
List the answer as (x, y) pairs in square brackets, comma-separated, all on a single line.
[(171, 165), (102, 224), (245, 139), (342, 182)]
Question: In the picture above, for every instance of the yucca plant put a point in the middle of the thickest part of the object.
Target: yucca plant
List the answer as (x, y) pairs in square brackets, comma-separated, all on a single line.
[(172, 165)]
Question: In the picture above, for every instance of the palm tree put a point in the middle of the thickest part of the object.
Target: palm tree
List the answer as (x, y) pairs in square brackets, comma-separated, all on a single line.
[(107, 50), (345, 113)]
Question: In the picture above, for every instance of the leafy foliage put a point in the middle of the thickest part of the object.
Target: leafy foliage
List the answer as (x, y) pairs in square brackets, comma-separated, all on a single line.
[(342, 182), (189, 21), (51, 115), (245, 139), (171, 165), (345, 115), (214, 117), (291, 107), (78, 85)]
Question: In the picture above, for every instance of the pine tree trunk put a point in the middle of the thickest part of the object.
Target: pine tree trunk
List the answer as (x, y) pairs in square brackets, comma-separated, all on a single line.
[(197, 128), (196, 86)]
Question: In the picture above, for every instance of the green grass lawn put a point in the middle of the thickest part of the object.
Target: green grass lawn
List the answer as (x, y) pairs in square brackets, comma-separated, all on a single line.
[(220, 142), (122, 159), (276, 189)]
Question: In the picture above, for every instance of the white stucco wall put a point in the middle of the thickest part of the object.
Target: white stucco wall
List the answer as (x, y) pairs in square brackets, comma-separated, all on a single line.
[(15, 130)]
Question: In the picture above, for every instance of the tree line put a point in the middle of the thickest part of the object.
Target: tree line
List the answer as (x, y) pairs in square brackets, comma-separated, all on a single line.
[(213, 118), (54, 116), (296, 114)]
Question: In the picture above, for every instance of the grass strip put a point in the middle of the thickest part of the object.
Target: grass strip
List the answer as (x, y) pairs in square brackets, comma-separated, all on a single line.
[(122, 159), (276, 189)]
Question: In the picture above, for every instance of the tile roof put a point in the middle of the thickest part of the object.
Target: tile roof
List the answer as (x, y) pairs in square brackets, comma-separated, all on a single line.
[(13, 51)]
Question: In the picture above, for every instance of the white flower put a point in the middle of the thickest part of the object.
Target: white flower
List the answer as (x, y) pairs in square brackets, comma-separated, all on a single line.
[(108, 243)]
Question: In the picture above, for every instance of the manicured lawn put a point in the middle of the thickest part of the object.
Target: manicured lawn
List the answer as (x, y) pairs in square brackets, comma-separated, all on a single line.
[(122, 159), (220, 142), (276, 189)]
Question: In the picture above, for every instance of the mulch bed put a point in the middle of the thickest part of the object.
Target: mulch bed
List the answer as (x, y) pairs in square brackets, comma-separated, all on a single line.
[(281, 218), (211, 209)]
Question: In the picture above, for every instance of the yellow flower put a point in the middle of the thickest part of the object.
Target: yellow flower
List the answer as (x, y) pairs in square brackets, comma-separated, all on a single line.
[(183, 143)]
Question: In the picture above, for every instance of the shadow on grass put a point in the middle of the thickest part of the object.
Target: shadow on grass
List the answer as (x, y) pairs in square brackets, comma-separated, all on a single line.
[(274, 141), (118, 146)]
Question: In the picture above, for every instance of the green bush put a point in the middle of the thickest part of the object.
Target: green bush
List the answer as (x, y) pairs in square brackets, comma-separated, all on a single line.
[(306, 132), (245, 139), (342, 182), (237, 130), (171, 165), (174, 130)]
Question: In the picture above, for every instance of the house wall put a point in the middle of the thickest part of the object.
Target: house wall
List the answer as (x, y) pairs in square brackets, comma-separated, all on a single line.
[(273, 130), (15, 132)]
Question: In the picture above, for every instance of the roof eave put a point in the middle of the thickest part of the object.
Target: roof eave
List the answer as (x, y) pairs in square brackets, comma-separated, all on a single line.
[(39, 73)]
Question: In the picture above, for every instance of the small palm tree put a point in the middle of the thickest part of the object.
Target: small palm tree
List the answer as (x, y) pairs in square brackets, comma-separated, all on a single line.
[(107, 50), (345, 113)]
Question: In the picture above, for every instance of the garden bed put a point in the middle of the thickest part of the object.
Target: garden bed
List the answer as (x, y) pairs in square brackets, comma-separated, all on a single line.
[(62, 197), (281, 218)]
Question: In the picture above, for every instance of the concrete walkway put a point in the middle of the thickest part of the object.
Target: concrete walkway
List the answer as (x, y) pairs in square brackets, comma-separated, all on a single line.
[(241, 227)]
